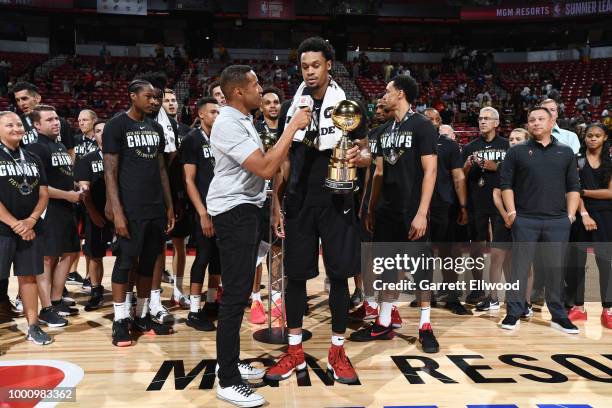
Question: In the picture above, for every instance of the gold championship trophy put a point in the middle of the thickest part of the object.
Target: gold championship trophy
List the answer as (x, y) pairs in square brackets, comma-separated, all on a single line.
[(268, 139), (342, 175)]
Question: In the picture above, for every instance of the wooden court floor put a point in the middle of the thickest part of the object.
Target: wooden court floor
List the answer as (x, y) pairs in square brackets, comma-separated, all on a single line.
[(478, 364)]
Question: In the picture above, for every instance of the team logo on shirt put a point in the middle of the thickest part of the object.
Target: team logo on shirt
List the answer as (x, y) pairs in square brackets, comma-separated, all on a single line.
[(31, 136), (145, 142), (496, 155), (97, 166), (394, 144), (87, 146), (62, 161), (9, 169), (207, 153)]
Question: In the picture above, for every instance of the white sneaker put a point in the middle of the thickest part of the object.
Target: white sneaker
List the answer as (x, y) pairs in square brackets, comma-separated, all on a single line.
[(162, 316), (18, 305), (240, 395), (247, 372)]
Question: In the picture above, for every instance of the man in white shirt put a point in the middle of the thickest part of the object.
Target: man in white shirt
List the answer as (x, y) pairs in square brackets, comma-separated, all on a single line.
[(566, 137)]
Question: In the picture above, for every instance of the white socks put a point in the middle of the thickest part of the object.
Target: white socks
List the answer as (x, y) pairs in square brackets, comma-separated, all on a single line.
[(178, 287), (384, 316), (142, 307), (425, 312), (337, 340), (211, 295), (194, 306), (295, 339), (120, 311), (372, 302), (256, 296), (128, 303), (155, 303)]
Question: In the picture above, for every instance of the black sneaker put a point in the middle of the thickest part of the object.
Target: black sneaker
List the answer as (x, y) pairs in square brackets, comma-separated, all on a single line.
[(148, 326), (37, 336), (167, 277), (96, 300), (457, 308), (565, 325), (474, 297), (49, 317), (373, 331), (510, 323), (528, 312), (121, 333), (487, 304), (199, 321), (86, 285), (211, 309), (428, 339), (74, 279), (63, 309), (357, 297)]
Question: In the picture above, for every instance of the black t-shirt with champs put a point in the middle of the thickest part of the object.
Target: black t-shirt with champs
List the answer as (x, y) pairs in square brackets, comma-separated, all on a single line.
[(83, 145), (91, 168), (196, 150), (58, 166), (480, 197), (308, 164), (11, 177), (31, 135), (449, 158), (593, 179), (402, 145), (138, 145)]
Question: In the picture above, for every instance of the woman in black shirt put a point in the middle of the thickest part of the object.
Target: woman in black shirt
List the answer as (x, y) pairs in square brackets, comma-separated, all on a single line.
[(23, 198), (595, 168)]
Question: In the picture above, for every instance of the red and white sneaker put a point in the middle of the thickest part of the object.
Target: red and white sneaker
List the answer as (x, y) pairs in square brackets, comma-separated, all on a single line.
[(257, 314), (292, 360), (606, 317), (396, 319), (575, 314), (339, 364), (364, 312)]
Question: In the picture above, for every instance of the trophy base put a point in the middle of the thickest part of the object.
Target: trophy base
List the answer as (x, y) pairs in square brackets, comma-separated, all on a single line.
[(341, 187)]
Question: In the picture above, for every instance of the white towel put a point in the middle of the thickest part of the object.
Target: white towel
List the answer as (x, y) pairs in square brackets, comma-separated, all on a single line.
[(164, 121), (333, 95)]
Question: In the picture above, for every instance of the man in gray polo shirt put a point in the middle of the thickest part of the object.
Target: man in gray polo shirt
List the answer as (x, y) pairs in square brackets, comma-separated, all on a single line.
[(234, 200)]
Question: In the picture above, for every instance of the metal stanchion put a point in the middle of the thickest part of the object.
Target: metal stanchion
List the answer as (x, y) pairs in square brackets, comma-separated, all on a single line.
[(276, 335)]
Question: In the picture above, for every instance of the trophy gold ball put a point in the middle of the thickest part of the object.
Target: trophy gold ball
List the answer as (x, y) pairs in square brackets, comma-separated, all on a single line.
[(342, 174)]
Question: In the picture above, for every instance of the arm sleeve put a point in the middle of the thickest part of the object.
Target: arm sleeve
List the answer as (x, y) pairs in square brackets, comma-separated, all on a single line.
[(572, 180), (232, 138), (455, 157), (506, 176), (427, 139), (188, 155), (111, 137), (82, 170)]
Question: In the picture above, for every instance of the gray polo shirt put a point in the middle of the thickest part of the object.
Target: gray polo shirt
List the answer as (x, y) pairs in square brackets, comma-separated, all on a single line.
[(233, 139)]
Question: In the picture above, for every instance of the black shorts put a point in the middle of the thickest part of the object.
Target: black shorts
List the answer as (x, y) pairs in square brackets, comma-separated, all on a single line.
[(183, 226), (146, 242), (502, 236), (338, 228), (391, 226), (26, 257), (479, 226), (207, 253), (96, 239), (60, 235), (440, 224)]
